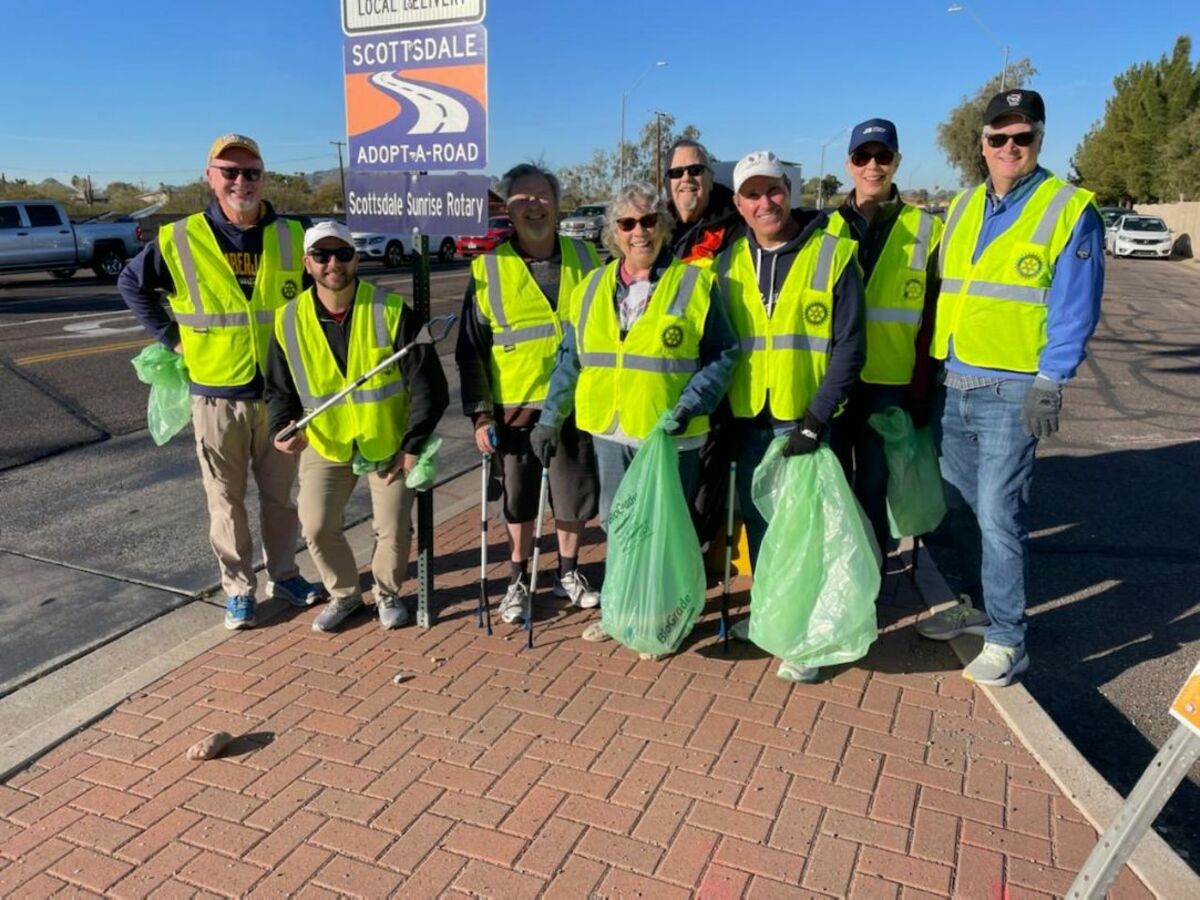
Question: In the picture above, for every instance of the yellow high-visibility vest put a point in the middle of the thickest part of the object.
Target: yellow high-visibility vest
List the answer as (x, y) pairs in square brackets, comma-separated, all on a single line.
[(375, 415), (788, 353), (225, 337), (634, 381), (995, 309), (896, 293), (525, 329)]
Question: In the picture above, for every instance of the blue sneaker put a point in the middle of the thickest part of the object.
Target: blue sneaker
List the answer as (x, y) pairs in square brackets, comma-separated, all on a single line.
[(239, 612), (297, 591)]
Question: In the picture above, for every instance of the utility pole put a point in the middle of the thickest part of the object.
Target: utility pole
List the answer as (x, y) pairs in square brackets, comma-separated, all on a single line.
[(341, 170), (658, 151)]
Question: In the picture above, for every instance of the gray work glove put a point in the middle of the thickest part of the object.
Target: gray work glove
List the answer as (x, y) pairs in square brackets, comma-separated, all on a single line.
[(1042, 403), (543, 441)]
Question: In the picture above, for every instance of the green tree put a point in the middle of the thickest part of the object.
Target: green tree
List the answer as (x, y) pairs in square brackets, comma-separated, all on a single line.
[(958, 136), (327, 198), (1180, 167)]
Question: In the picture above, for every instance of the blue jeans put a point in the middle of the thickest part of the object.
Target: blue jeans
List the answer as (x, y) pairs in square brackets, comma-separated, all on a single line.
[(751, 448), (612, 459), (986, 460)]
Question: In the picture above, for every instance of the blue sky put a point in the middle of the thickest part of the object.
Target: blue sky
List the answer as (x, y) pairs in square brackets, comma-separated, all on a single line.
[(136, 92)]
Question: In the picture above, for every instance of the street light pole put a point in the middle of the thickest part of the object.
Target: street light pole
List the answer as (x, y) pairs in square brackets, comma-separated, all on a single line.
[(660, 64), (821, 176), (960, 7), (658, 151), (341, 170)]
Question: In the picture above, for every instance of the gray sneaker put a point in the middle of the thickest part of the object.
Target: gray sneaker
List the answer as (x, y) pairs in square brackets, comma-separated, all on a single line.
[(336, 611), (963, 618), (799, 674), (575, 587), (391, 609), (740, 630), (512, 607), (997, 665)]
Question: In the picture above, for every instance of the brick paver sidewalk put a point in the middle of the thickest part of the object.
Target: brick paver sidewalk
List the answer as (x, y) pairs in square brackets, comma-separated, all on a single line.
[(571, 770)]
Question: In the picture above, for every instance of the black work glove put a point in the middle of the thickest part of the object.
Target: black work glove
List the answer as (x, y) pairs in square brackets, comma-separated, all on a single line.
[(543, 441), (1042, 403), (678, 421), (805, 437)]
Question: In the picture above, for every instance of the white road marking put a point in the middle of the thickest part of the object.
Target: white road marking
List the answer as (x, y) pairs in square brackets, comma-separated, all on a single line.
[(63, 318), (88, 330), (436, 112)]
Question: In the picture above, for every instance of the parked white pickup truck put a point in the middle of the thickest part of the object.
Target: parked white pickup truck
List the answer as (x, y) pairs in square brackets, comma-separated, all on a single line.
[(37, 236)]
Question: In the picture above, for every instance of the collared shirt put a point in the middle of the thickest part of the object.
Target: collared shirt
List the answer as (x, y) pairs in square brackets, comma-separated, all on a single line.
[(1073, 301)]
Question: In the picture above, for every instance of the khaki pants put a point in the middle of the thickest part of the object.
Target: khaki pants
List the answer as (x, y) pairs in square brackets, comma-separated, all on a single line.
[(231, 438), (325, 489)]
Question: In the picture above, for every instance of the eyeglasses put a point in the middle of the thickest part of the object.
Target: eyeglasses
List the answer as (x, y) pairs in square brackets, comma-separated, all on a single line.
[(695, 170), (861, 157), (647, 221), (1021, 139), (321, 255), (230, 173)]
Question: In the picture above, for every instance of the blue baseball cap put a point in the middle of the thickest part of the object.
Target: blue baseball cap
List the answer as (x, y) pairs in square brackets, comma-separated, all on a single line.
[(874, 130)]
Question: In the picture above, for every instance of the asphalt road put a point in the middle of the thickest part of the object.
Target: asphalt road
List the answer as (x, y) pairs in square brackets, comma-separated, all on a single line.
[(94, 514)]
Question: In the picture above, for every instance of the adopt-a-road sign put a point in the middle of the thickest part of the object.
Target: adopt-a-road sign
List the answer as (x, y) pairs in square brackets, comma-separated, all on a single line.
[(399, 201), (417, 99)]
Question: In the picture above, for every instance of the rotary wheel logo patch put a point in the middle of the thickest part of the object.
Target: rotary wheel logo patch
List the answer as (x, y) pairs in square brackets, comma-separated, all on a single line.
[(289, 290), (1029, 265), (912, 289), (816, 313), (672, 336)]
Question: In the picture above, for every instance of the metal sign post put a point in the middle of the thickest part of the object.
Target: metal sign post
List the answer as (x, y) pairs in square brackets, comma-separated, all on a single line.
[(426, 614)]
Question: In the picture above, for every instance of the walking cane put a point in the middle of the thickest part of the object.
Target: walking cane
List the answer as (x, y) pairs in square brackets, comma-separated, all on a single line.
[(426, 335), (728, 553), (485, 608), (537, 549)]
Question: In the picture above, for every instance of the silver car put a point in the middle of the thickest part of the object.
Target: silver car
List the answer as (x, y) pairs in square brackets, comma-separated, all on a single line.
[(586, 222)]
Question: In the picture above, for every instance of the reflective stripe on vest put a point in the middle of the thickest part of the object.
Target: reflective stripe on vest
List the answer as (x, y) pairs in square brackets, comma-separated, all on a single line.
[(784, 357), (630, 382), (525, 328), (374, 416), (224, 336), (995, 309)]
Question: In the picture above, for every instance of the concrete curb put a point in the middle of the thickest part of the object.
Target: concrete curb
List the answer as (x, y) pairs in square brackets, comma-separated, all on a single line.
[(105, 678), (1159, 867)]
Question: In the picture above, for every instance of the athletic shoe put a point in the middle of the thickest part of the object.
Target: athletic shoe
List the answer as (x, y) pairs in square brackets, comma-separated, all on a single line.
[(512, 607), (574, 586), (962, 618), (740, 630), (997, 665), (336, 612), (595, 633), (799, 674), (297, 591), (391, 609), (239, 612)]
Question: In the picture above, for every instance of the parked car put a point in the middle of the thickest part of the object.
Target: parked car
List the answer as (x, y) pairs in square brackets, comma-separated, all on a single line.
[(37, 236), (1110, 214), (499, 230), (390, 248), (586, 222), (1140, 236)]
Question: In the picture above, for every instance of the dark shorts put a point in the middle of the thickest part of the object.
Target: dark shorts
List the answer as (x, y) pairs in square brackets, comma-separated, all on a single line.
[(574, 486)]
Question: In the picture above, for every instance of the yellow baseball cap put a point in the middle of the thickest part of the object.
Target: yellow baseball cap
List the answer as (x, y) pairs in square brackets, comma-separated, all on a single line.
[(228, 141)]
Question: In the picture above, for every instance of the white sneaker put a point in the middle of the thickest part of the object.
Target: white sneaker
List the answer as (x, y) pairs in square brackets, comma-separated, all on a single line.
[(997, 665), (574, 586), (799, 674), (512, 607)]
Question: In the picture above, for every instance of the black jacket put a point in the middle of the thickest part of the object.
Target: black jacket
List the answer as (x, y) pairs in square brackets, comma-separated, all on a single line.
[(711, 233)]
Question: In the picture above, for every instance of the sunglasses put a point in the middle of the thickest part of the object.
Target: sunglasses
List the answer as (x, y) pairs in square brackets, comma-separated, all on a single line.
[(861, 157), (695, 170), (647, 221), (1021, 139), (341, 254), (230, 173)]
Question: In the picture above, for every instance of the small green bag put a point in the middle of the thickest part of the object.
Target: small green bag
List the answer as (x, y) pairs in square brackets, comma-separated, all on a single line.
[(813, 598), (169, 408), (424, 473), (654, 587), (915, 500)]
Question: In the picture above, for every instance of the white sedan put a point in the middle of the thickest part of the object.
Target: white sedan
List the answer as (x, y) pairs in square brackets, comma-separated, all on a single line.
[(1139, 236)]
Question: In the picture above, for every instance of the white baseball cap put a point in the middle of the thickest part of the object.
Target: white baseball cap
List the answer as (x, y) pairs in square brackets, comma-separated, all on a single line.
[(757, 162), (328, 229)]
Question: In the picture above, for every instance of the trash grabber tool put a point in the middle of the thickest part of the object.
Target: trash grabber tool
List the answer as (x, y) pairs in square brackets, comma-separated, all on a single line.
[(485, 608), (728, 553), (430, 333), (537, 549)]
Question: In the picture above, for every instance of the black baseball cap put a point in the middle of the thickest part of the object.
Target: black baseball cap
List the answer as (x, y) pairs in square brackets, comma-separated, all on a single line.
[(880, 130), (1018, 102)]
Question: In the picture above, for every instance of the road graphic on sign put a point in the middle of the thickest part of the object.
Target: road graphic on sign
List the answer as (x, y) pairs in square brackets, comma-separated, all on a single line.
[(437, 112)]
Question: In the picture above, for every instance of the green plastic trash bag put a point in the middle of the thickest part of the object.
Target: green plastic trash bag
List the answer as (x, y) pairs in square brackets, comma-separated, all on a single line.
[(654, 587), (813, 598), (170, 407), (424, 473), (915, 501)]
